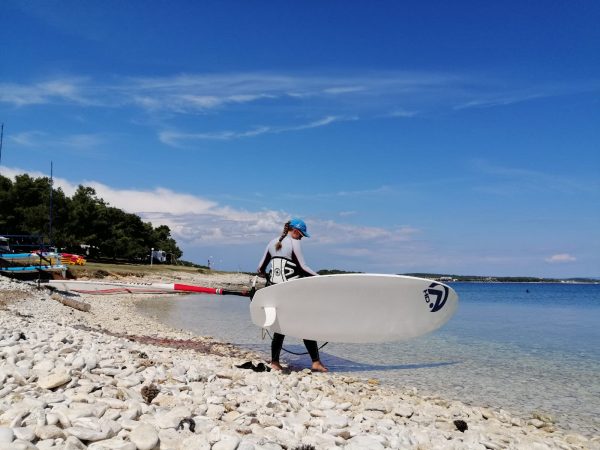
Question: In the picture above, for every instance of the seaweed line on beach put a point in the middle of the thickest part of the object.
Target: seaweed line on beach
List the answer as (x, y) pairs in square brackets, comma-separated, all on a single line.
[(204, 347)]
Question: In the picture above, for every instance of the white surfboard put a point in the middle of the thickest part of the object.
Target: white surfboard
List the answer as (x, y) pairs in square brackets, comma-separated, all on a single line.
[(354, 308)]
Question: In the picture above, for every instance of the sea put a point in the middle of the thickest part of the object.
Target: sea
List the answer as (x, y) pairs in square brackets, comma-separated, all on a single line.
[(521, 347)]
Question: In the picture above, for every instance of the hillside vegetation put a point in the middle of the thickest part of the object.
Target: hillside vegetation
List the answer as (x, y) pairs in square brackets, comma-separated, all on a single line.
[(84, 218)]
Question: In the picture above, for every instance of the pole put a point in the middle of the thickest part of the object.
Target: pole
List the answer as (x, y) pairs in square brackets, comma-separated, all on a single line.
[(51, 183), (1, 138), (151, 255)]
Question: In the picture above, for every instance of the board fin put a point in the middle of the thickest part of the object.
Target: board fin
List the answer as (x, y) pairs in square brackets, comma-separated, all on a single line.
[(270, 316)]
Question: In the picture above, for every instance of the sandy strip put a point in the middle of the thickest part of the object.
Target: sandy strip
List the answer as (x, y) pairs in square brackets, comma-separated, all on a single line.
[(113, 379)]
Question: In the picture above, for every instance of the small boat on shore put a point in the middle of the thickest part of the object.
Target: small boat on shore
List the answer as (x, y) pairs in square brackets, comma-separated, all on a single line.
[(28, 264), (34, 269), (31, 258)]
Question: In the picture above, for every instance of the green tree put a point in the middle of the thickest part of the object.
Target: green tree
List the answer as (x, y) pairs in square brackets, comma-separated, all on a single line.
[(82, 219), (161, 238)]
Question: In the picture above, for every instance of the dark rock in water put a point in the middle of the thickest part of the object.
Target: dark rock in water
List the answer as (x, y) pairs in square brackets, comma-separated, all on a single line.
[(22, 337), (149, 393), (305, 447), (461, 425)]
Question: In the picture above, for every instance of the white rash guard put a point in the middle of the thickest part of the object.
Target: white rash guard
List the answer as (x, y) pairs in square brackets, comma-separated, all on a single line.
[(290, 250)]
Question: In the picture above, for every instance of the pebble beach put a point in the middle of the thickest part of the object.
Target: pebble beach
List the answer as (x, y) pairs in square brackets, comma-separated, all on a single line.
[(110, 378)]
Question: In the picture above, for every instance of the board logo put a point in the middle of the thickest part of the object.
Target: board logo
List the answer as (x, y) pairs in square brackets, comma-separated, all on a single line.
[(282, 270), (436, 296)]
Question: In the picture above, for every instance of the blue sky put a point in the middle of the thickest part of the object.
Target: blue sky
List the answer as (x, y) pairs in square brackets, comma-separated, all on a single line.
[(455, 137)]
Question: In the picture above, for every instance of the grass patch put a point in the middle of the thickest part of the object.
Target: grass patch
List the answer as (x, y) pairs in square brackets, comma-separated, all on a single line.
[(103, 270)]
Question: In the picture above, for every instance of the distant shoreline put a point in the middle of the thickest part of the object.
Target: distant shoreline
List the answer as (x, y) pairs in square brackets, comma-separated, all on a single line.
[(98, 270), (524, 282), (449, 278)]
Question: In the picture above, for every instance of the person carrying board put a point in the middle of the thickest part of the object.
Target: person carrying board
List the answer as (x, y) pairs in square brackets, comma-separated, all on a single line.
[(284, 253)]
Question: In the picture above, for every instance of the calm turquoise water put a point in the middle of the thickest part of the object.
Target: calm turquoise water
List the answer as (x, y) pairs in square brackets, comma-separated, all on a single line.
[(521, 347)]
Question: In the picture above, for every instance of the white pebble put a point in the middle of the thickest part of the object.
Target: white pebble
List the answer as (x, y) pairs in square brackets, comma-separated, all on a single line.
[(145, 437)]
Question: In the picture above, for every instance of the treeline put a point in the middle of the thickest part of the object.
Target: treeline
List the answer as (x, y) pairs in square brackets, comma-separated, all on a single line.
[(83, 218), (333, 272)]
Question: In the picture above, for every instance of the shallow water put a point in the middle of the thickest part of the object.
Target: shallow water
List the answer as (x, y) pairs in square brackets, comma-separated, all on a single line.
[(520, 347)]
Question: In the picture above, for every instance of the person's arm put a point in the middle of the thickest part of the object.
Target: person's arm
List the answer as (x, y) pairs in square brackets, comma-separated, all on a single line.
[(298, 256), (264, 262)]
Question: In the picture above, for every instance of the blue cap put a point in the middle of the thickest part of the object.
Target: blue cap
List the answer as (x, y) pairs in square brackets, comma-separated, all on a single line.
[(299, 225)]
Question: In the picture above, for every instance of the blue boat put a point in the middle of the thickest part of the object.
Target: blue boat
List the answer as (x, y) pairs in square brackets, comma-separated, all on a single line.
[(21, 269), (28, 264)]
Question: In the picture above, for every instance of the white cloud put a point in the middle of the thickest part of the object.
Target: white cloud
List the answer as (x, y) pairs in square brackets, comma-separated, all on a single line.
[(157, 200), (196, 220), (561, 258)]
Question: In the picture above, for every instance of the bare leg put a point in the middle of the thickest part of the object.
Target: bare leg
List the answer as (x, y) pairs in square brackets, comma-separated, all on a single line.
[(313, 350)]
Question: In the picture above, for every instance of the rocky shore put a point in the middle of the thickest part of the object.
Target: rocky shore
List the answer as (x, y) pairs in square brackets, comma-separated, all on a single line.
[(111, 379)]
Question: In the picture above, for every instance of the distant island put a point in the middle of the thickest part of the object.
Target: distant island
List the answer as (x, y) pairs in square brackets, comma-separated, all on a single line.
[(479, 279)]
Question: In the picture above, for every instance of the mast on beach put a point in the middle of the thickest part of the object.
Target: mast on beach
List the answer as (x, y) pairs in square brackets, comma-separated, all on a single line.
[(51, 189), (1, 139)]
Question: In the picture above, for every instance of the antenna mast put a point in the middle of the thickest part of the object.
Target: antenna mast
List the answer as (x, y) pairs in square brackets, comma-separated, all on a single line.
[(51, 183), (1, 138)]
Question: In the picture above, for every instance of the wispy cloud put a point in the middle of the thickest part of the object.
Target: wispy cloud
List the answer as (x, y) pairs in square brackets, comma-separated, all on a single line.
[(331, 231), (344, 90), (190, 102), (201, 92), (69, 90), (42, 139), (402, 113), (492, 96), (286, 95), (513, 180), (376, 191), (177, 139), (27, 138), (502, 100), (561, 258)]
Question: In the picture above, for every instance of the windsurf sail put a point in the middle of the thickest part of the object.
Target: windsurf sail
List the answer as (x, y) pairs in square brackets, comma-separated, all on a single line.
[(108, 287)]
